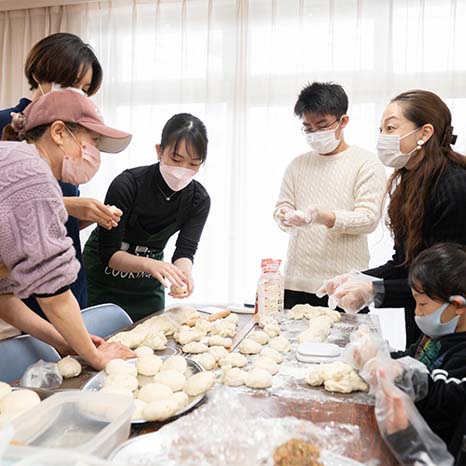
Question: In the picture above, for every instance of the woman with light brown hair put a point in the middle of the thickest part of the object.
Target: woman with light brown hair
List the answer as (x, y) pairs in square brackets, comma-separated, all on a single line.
[(427, 193)]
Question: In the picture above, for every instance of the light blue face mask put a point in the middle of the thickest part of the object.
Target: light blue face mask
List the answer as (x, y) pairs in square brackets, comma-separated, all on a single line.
[(433, 327)]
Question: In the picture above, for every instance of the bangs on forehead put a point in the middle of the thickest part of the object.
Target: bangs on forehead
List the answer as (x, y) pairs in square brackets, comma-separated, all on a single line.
[(190, 146)]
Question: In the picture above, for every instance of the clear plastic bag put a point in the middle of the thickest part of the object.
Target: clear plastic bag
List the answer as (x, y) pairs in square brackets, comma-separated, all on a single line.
[(402, 427), (42, 375), (362, 347)]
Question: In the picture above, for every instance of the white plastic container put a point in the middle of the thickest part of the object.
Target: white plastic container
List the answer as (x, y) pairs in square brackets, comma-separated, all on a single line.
[(26, 456), (84, 422)]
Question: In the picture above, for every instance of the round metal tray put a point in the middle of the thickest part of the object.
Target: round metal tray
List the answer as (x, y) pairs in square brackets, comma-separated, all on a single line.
[(152, 450), (95, 384)]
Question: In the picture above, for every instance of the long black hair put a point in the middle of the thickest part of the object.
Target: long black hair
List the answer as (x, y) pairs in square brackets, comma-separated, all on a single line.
[(440, 271), (188, 128)]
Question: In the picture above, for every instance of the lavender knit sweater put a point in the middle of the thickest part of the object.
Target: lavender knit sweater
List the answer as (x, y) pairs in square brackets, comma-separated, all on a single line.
[(34, 247)]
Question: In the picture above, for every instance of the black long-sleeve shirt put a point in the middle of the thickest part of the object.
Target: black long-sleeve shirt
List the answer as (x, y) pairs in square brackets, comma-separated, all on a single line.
[(445, 358), (143, 189), (444, 220)]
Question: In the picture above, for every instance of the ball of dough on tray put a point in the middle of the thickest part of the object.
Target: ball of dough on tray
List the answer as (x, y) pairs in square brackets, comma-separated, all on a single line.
[(199, 383), (148, 365), (154, 392)]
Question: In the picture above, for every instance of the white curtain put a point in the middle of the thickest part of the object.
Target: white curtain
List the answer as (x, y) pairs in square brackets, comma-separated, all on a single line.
[(239, 66)]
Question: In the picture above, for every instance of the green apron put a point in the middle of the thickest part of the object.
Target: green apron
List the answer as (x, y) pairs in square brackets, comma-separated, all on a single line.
[(138, 293)]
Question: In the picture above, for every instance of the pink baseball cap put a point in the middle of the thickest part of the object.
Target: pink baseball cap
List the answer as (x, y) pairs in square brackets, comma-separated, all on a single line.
[(72, 106)]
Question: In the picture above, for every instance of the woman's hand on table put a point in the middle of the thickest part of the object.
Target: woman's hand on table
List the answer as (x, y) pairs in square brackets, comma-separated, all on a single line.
[(98, 341), (108, 351)]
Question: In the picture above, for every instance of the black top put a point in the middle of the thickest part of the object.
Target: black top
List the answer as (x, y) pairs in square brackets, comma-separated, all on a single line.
[(444, 409), (141, 193), (79, 287), (444, 403), (445, 220)]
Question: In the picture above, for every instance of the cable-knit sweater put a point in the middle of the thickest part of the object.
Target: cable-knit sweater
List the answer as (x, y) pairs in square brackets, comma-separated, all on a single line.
[(351, 184), (34, 248)]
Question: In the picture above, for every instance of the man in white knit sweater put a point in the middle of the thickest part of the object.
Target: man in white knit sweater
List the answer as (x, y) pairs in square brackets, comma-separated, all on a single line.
[(330, 198)]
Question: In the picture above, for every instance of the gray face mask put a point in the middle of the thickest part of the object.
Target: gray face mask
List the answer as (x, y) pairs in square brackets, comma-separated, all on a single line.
[(433, 327)]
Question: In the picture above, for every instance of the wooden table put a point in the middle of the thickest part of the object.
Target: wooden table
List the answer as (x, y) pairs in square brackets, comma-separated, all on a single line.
[(370, 445)]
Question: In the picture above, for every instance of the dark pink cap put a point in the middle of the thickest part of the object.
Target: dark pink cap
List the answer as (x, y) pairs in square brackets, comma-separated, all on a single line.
[(74, 107)]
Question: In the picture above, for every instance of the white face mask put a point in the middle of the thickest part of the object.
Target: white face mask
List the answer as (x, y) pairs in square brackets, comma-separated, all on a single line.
[(58, 87), (389, 151), (323, 142)]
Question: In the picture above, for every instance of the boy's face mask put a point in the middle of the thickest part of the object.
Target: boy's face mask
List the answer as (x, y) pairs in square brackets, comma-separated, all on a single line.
[(432, 326)]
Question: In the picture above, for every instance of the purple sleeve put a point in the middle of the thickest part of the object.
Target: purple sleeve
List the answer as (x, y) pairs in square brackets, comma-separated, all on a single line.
[(34, 247)]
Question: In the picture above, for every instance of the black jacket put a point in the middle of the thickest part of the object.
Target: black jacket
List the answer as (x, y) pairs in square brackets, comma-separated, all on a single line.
[(445, 402), (445, 220)]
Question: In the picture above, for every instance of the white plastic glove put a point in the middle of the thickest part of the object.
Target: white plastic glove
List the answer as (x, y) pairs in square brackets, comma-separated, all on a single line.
[(355, 293), (362, 347), (329, 286), (299, 218)]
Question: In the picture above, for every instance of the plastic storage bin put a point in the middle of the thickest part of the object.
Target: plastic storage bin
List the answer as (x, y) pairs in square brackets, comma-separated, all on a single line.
[(26, 456), (84, 422)]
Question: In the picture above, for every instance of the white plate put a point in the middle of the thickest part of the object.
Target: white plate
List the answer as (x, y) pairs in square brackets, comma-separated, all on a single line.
[(95, 384), (151, 450)]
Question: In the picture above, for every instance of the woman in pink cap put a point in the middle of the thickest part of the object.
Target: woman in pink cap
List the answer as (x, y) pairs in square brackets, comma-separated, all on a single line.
[(64, 133)]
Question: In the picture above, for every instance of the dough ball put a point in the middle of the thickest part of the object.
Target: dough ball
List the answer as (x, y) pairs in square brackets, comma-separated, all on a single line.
[(199, 383), (233, 318), (217, 340), (194, 348), (144, 351), (154, 392), (117, 390), (297, 312), (122, 380), (175, 289), (267, 320), (187, 335), (203, 325), (218, 352), (115, 210), (272, 354), (5, 389), (260, 337), (272, 330), (182, 399), (266, 364), (171, 378), (148, 365), (176, 363), (233, 360), (119, 366), (155, 340), (69, 367), (18, 402), (160, 410), (314, 377), (280, 344), (233, 376), (223, 328), (131, 339), (258, 378), (138, 412), (249, 346), (206, 360)]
